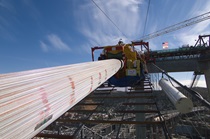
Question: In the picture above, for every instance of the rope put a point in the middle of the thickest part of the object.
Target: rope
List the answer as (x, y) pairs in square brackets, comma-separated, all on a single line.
[(146, 18), (108, 17), (193, 125)]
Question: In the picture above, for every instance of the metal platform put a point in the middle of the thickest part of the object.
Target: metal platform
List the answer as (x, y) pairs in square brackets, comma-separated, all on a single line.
[(110, 109)]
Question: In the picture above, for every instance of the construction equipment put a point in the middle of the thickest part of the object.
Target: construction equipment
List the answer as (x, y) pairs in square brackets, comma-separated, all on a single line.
[(134, 63), (177, 26)]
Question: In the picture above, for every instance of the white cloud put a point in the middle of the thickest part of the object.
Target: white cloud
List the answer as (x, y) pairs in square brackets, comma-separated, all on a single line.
[(129, 18), (125, 14), (2, 4), (33, 10), (54, 42), (201, 83), (153, 45), (199, 7), (189, 36), (44, 46), (57, 43), (8, 20), (6, 4), (86, 48)]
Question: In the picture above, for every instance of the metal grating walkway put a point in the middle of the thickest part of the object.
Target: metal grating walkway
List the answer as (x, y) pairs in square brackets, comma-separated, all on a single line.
[(107, 112)]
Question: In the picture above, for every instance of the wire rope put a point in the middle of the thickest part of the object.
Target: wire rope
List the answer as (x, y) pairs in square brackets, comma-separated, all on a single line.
[(185, 126), (193, 125), (145, 24), (108, 17)]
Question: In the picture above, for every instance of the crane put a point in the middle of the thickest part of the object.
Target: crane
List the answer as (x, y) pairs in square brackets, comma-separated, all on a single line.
[(175, 27)]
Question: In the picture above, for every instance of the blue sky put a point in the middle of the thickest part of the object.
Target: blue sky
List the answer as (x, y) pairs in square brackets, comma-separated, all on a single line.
[(45, 33)]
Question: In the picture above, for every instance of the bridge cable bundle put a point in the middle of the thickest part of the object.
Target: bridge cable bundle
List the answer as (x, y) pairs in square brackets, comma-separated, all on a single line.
[(31, 100)]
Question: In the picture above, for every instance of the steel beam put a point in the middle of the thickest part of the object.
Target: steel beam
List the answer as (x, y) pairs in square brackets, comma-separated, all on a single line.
[(111, 121), (140, 92), (120, 97), (90, 104), (87, 111), (139, 103), (138, 111), (54, 136)]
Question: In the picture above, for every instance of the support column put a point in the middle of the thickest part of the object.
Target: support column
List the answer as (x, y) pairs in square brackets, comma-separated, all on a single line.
[(204, 65), (207, 76)]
